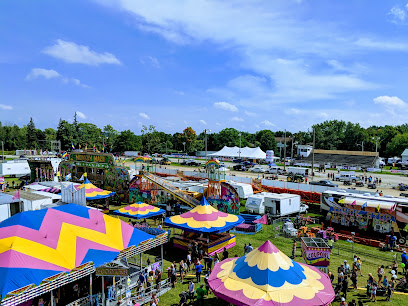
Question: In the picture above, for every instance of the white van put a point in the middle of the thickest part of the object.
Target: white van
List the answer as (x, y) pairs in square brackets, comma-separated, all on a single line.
[(276, 204), (274, 170), (346, 177)]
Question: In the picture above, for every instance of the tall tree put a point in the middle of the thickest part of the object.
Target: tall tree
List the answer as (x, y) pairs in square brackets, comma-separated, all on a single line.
[(266, 139), (31, 134), (128, 141), (64, 134), (397, 145), (151, 139), (110, 135)]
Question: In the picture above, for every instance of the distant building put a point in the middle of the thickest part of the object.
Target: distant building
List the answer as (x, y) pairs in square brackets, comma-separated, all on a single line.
[(404, 156), (303, 150)]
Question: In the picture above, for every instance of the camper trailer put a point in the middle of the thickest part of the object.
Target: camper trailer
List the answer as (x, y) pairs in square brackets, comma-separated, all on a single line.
[(15, 168), (275, 204), (298, 170), (244, 190)]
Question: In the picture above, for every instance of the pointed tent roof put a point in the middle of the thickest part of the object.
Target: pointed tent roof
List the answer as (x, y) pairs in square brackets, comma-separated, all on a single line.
[(204, 219), (245, 152), (139, 211), (268, 277), (38, 244), (94, 193)]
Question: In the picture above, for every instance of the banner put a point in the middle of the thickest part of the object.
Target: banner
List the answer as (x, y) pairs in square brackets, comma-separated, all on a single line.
[(361, 213)]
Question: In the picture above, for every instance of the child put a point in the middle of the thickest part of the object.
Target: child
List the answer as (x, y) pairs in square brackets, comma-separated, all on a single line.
[(374, 292)]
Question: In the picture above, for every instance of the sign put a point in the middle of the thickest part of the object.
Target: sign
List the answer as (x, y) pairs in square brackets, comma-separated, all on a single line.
[(92, 165), (373, 170), (316, 256), (102, 271), (93, 158), (361, 213)]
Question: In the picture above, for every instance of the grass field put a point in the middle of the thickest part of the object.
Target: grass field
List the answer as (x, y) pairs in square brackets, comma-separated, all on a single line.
[(369, 265)]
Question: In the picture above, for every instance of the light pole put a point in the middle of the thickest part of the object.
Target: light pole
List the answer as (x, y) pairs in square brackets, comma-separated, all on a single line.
[(239, 151), (361, 145), (2, 149), (314, 142), (376, 143), (184, 144), (291, 151), (284, 151)]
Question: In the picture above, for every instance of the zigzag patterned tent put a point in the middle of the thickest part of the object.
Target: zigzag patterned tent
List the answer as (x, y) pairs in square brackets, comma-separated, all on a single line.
[(35, 245)]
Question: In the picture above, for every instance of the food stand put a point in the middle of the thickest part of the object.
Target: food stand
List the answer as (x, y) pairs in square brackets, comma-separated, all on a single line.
[(316, 252)]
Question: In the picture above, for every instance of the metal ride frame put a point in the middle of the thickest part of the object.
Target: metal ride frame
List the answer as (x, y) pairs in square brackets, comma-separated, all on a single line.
[(31, 291)]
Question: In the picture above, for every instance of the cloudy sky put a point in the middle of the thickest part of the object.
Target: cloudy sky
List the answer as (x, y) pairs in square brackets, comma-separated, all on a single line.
[(250, 64)]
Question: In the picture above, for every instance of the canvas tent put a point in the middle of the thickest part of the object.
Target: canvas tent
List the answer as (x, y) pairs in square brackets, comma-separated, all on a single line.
[(252, 153)]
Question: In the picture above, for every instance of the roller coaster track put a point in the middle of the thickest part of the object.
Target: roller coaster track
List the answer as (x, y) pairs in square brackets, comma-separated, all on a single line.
[(170, 189)]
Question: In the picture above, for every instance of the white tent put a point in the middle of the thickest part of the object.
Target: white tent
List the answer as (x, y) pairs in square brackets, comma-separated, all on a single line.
[(252, 153)]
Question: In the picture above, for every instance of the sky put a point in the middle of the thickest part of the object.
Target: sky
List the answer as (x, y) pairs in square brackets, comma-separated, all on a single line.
[(245, 64)]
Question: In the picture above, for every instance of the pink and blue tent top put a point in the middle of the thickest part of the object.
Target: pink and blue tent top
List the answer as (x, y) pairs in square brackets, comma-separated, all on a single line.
[(139, 211), (35, 245), (94, 193), (267, 277), (204, 219)]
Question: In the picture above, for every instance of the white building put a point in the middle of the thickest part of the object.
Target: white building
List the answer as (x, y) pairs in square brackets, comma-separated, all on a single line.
[(304, 150), (404, 156)]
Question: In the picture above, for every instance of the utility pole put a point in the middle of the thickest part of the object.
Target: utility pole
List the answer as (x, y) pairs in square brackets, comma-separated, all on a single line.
[(284, 151), (2, 148), (205, 139), (184, 144), (314, 141), (291, 151), (239, 151)]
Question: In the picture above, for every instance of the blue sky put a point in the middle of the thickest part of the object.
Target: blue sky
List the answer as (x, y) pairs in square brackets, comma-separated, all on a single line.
[(247, 64)]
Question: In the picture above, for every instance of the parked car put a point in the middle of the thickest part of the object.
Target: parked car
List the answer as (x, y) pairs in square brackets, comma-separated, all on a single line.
[(165, 161), (237, 160), (239, 167), (257, 169), (190, 162), (326, 183), (248, 163)]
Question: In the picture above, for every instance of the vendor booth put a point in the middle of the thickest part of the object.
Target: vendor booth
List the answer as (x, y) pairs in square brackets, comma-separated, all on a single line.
[(316, 252), (267, 277), (44, 250), (207, 226)]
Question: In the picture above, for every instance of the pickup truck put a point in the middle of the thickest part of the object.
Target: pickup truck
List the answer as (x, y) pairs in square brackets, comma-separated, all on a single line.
[(239, 167), (190, 162), (326, 183)]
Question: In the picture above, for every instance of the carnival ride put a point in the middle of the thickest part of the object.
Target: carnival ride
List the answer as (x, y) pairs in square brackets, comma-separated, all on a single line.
[(139, 211), (205, 225), (268, 277)]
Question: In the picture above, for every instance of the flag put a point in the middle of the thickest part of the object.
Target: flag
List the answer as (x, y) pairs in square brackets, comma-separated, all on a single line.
[(354, 203), (364, 205), (68, 177), (16, 196), (378, 208), (41, 152), (94, 149), (79, 145), (82, 178), (86, 147), (123, 161), (111, 148), (64, 155), (341, 201), (393, 208), (72, 146)]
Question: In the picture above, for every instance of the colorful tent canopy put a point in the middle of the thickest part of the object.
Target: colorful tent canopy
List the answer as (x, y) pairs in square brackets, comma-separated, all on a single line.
[(204, 219), (94, 193), (267, 277), (139, 159), (262, 220), (35, 245), (139, 211)]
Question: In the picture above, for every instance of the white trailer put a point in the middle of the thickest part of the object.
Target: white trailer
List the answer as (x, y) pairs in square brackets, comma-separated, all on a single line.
[(244, 190), (276, 204), (298, 170), (15, 168), (131, 153)]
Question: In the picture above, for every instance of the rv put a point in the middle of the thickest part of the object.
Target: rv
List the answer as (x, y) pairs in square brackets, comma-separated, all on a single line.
[(366, 212), (244, 190), (275, 204), (298, 170), (15, 168)]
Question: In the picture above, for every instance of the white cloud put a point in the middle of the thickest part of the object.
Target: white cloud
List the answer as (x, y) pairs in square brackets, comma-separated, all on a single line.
[(5, 107), (180, 93), (71, 52), (151, 61), (250, 114), (218, 124), (384, 45), (389, 101), (41, 72), (81, 115), (237, 119), (144, 116), (75, 82), (185, 122), (397, 14), (268, 123), (226, 106), (203, 122)]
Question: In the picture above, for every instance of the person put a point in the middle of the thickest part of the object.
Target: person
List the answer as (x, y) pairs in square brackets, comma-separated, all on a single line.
[(389, 292), (331, 276), (330, 242), (374, 292), (198, 268), (352, 303), (155, 300), (173, 274), (358, 265), (142, 283), (340, 275), (346, 268), (343, 302), (182, 271), (216, 258), (385, 282), (158, 278), (200, 295), (207, 285), (392, 242), (354, 279), (210, 263), (13, 184), (191, 289), (225, 254), (404, 260), (293, 249), (394, 267), (249, 248), (188, 261), (380, 273), (345, 286), (245, 249)]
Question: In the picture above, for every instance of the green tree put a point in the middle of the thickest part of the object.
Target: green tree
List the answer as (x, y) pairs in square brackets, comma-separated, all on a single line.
[(128, 141), (90, 134), (31, 134), (227, 137), (75, 130), (397, 145), (355, 137), (110, 135), (64, 134), (266, 139), (386, 135), (329, 135), (151, 139)]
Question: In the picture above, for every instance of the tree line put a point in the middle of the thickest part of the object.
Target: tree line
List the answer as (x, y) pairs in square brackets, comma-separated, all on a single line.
[(329, 135)]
